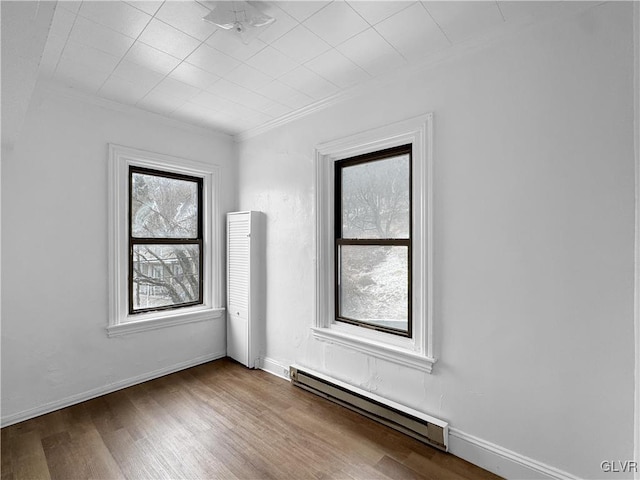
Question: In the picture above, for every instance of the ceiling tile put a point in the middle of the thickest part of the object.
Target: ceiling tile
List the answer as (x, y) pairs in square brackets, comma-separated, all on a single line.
[(301, 44), (336, 23), (284, 22), (150, 7), (166, 38), (187, 17), (118, 16), (192, 111), (229, 43), (413, 32), (338, 69), (62, 22), (572, 7), (227, 101), (212, 102), (123, 91), (230, 98), (228, 90), (248, 77), (90, 33), (285, 95), (70, 6), (137, 74), (520, 10), (160, 103), (272, 62), (89, 57), (309, 83), (238, 94), (193, 75), (176, 89), (371, 52), (151, 58), (199, 115), (255, 120), (212, 60), (51, 54), (376, 11), (461, 20), (241, 111), (276, 109), (301, 10), (74, 74)]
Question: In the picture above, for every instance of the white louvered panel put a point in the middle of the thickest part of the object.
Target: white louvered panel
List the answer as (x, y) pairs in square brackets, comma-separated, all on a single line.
[(245, 286), (238, 248)]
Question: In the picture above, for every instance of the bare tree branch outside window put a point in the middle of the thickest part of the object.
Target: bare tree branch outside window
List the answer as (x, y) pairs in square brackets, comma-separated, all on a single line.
[(166, 240), (373, 240)]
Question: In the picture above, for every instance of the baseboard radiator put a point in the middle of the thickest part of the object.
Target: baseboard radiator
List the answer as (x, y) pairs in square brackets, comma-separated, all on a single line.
[(429, 430)]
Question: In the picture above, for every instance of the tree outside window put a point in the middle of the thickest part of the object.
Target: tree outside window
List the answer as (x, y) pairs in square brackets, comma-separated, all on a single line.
[(165, 241), (373, 240)]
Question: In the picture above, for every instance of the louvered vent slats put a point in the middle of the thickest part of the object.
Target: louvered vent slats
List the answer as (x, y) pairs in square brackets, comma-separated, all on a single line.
[(244, 286), (239, 231)]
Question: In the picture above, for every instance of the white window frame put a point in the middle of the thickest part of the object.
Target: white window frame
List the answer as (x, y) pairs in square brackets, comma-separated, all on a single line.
[(416, 352), (121, 322)]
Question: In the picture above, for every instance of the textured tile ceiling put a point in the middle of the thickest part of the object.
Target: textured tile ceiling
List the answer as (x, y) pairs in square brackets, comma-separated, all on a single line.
[(162, 57)]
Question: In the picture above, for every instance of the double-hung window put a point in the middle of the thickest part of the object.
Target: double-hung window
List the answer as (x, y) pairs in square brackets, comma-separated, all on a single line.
[(373, 240), (374, 247), (164, 241)]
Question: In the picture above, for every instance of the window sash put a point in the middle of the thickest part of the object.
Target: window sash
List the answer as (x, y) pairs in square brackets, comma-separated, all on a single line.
[(165, 240), (339, 240)]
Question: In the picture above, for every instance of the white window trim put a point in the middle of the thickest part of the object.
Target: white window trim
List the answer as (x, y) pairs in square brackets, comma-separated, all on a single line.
[(120, 321), (416, 352)]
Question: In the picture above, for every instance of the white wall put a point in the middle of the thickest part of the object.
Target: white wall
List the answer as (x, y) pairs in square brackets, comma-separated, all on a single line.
[(534, 233), (25, 27), (54, 250)]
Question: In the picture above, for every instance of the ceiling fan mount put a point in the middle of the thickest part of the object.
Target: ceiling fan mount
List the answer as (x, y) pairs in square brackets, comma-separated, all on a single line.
[(244, 18)]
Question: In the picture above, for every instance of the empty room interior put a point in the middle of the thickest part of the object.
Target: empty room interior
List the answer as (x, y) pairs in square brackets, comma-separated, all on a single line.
[(320, 239)]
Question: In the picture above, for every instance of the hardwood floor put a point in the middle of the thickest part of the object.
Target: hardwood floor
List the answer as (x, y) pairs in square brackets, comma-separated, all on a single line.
[(218, 420)]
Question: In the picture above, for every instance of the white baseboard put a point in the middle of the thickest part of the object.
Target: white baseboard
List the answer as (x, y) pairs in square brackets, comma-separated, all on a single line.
[(278, 369), (494, 458), (5, 421), (499, 460)]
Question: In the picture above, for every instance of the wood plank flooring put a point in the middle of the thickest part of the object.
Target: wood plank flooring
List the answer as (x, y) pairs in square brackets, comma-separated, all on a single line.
[(218, 420)]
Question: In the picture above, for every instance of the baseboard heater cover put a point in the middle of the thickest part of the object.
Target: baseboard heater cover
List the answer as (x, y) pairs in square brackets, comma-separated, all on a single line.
[(427, 429)]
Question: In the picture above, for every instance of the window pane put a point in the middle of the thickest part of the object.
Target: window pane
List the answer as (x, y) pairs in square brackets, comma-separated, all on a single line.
[(375, 199), (165, 275), (374, 285), (163, 207)]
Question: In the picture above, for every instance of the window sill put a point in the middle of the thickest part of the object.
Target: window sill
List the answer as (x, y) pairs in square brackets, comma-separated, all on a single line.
[(390, 353), (155, 320)]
